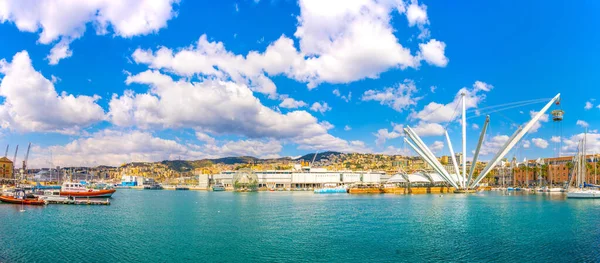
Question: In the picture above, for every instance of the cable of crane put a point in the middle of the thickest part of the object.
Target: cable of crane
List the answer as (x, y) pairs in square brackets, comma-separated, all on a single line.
[(510, 104), (453, 114), (483, 113)]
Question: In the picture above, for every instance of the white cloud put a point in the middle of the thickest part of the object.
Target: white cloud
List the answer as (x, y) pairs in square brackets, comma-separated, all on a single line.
[(382, 135), (439, 113), (32, 104), (417, 15), (436, 146), (67, 20), (320, 107), (433, 52), (493, 145), (555, 139), (424, 129), (398, 98), (540, 143), (592, 143), (583, 124), (525, 144), (290, 103), (111, 147), (327, 125), (589, 105), (475, 126), (347, 128), (201, 136), (432, 89), (346, 98), (215, 106), (536, 126), (340, 42)]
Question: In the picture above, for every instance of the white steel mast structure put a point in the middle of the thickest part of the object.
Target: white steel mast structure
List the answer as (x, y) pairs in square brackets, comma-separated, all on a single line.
[(463, 182)]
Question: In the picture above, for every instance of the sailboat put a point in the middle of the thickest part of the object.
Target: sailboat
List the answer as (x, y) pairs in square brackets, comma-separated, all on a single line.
[(583, 190)]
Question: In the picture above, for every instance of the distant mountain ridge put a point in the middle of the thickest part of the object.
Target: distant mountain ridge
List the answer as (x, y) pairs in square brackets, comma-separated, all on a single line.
[(182, 165)]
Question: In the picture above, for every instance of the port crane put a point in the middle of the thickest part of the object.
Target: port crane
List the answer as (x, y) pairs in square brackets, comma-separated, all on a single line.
[(24, 170)]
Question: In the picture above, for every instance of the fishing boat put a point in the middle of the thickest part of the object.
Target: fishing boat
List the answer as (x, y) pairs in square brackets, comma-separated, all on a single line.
[(331, 189), (79, 190), (21, 198), (218, 187)]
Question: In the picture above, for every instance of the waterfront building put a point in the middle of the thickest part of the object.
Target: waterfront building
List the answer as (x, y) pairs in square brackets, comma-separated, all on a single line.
[(6, 168), (300, 177)]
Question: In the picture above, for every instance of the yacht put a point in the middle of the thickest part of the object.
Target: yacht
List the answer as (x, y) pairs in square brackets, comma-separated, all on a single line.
[(583, 190), (218, 187)]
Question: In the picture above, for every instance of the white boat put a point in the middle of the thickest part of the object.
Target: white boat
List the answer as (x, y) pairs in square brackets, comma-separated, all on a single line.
[(584, 194), (218, 187), (52, 195), (584, 190)]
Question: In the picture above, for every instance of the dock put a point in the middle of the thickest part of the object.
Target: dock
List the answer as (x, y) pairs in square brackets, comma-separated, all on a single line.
[(79, 202)]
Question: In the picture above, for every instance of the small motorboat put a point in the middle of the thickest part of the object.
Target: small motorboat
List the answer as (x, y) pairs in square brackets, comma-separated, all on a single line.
[(22, 201), (79, 190), (218, 187)]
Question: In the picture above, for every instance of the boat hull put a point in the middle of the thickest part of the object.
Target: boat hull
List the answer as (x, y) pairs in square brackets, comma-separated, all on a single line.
[(90, 193), (584, 195), (12, 200), (331, 191), (365, 191)]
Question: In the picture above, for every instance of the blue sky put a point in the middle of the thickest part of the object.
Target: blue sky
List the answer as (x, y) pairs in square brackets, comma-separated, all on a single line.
[(108, 83)]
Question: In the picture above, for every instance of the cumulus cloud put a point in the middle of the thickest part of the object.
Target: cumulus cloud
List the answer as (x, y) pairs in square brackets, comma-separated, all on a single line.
[(437, 112), (537, 125), (540, 143), (588, 105), (216, 106), (436, 146), (583, 124), (475, 126), (493, 145), (32, 104), (424, 129), (398, 98), (320, 107), (570, 144), (347, 128), (340, 42), (203, 137), (346, 98), (382, 135), (112, 147), (433, 52), (66, 21), (555, 139), (290, 103)]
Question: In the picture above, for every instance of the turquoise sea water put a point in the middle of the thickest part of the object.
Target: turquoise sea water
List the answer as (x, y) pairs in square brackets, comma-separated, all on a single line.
[(180, 226)]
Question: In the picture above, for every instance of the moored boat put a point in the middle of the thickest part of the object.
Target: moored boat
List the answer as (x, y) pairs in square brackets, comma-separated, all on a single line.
[(218, 187), (331, 189), (79, 190), (22, 201), (365, 189)]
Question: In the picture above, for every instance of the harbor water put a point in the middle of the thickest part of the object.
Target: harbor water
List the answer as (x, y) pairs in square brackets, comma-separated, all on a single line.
[(196, 226)]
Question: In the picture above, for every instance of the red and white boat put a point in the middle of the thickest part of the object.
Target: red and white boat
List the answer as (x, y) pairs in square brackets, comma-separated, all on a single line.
[(79, 190)]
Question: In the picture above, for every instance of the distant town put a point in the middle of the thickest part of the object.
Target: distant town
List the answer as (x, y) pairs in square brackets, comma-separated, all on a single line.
[(509, 172)]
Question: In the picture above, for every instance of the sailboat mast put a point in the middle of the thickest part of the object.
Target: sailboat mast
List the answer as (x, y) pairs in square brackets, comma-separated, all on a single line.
[(464, 140)]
